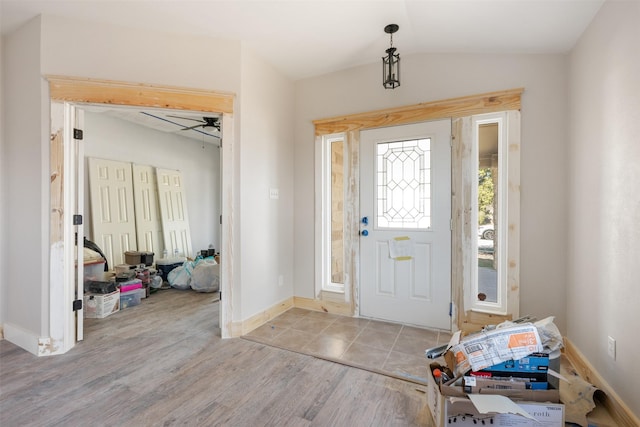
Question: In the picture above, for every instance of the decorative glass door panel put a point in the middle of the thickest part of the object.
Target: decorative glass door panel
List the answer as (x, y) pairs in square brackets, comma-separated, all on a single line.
[(404, 184)]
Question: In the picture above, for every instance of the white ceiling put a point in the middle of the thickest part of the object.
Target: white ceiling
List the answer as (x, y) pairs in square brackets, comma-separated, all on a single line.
[(180, 123), (305, 38)]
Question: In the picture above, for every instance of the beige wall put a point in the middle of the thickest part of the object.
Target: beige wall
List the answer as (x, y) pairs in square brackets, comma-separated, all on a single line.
[(87, 49), (23, 290), (266, 162), (603, 287), (3, 186), (433, 77)]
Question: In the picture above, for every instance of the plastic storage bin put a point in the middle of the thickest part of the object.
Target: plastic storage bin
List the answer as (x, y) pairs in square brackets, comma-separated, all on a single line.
[(165, 265), (130, 285), (131, 298), (136, 258), (94, 271)]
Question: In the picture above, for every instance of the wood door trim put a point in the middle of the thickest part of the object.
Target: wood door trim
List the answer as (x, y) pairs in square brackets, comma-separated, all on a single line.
[(447, 108), (92, 91)]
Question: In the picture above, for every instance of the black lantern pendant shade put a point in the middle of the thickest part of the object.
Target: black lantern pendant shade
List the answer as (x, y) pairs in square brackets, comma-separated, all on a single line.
[(391, 62)]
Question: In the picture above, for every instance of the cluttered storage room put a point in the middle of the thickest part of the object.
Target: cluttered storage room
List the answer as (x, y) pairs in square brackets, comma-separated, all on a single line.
[(151, 208)]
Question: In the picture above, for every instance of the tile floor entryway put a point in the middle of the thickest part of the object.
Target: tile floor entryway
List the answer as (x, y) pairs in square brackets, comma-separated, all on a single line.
[(388, 348)]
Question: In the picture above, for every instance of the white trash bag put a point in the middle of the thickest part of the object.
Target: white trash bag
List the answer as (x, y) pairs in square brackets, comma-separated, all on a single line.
[(180, 277), (205, 276)]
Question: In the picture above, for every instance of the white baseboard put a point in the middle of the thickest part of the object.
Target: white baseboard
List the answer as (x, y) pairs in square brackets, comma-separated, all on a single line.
[(22, 338)]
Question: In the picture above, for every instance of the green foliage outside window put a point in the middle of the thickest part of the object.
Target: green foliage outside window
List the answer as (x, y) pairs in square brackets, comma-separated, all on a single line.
[(485, 196)]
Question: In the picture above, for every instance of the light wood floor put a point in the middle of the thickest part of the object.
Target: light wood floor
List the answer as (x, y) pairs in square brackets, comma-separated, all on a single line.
[(162, 363)]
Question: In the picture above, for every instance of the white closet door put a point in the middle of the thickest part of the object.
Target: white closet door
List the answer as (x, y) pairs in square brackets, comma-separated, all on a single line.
[(148, 221), (173, 211), (112, 210)]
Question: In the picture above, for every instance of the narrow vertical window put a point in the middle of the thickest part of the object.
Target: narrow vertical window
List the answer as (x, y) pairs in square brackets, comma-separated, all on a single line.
[(490, 214), (333, 213)]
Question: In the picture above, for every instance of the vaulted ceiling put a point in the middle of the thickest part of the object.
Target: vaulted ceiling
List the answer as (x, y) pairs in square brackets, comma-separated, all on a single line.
[(305, 38)]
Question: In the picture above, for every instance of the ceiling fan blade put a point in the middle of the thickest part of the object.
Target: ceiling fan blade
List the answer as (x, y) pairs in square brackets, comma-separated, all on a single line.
[(193, 127), (186, 118)]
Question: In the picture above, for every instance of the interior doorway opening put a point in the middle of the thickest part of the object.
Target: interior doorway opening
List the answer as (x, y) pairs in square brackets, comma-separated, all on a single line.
[(144, 143), (72, 93)]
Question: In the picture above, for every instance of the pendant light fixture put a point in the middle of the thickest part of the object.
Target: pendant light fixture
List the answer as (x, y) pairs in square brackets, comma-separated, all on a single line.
[(391, 62)]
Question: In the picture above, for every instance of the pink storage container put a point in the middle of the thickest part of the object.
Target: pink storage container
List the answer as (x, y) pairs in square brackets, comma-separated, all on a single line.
[(130, 285)]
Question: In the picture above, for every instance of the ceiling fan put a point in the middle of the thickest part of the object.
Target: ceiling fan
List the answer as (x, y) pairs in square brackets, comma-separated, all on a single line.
[(206, 122)]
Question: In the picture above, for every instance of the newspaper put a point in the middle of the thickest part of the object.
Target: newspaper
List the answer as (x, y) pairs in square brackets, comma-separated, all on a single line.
[(485, 349)]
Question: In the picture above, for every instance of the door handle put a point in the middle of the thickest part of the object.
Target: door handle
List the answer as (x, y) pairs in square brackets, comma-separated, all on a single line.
[(365, 233), (365, 220)]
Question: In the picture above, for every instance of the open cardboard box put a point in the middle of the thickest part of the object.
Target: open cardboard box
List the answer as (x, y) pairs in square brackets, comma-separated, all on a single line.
[(448, 401)]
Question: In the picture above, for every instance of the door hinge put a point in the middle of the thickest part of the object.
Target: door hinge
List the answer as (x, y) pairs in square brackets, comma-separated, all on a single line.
[(77, 219), (77, 134), (77, 305), (220, 219)]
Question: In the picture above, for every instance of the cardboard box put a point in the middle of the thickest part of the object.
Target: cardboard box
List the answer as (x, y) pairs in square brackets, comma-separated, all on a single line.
[(98, 306), (455, 388), (462, 412), (449, 401)]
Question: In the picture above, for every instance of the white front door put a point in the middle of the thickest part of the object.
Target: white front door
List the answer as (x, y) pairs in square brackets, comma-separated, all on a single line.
[(405, 242)]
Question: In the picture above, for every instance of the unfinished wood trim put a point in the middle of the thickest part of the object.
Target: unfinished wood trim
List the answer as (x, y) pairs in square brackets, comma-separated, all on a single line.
[(448, 108), (458, 126), (56, 164), (462, 181), (352, 220), (331, 307), (332, 296), (474, 321), (257, 320), (513, 213), (93, 91), (616, 407)]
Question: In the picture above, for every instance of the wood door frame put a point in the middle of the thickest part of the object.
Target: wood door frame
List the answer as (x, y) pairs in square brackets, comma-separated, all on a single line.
[(453, 108), (78, 91)]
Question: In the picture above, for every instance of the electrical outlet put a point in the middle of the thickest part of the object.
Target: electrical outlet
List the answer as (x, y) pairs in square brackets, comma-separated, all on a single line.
[(611, 347)]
